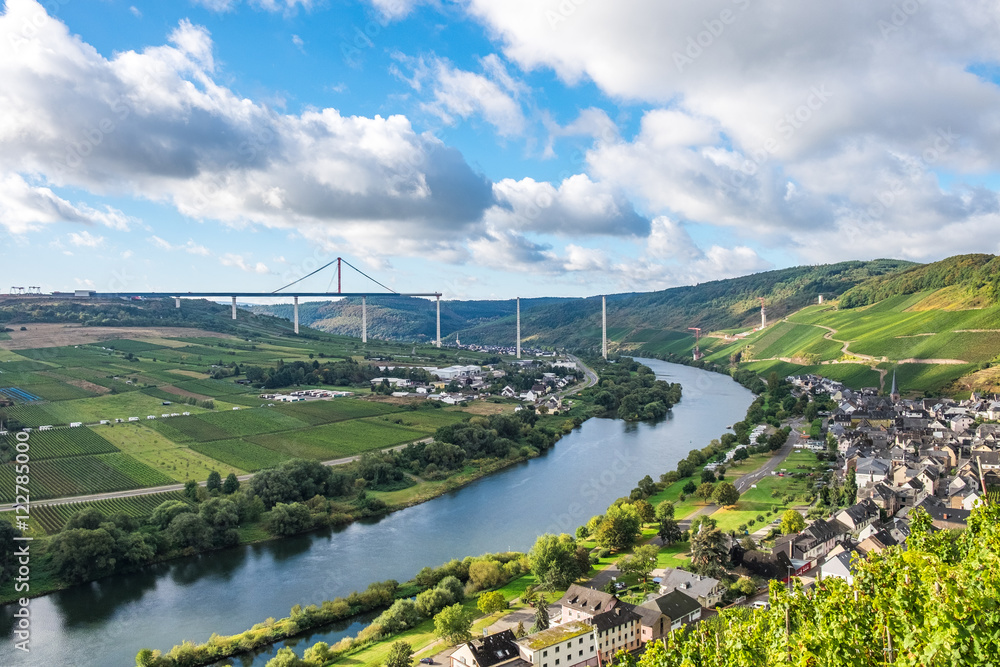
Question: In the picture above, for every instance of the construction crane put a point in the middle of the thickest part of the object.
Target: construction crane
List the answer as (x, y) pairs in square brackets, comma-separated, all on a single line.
[(697, 336), (17, 290), (34, 289)]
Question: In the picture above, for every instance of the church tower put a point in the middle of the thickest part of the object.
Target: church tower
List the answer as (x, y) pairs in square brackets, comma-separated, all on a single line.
[(894, 393)]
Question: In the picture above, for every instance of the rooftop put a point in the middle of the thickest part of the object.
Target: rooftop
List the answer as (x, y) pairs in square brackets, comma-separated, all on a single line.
[(554, 635)]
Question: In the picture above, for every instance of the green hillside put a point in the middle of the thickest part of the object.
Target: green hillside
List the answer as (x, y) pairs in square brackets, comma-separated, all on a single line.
[(401, 318), (652, 320), (975, 280), (943, 338)]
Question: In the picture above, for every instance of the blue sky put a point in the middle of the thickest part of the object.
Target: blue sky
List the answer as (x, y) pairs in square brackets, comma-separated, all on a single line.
[(488, 150)]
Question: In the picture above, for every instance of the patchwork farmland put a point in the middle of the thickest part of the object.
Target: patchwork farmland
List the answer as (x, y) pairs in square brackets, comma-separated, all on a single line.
[(145, 411)]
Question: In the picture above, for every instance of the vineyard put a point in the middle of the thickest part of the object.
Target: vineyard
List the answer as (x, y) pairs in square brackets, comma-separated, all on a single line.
[(338, 440), (237, 423), (325, 412), (78, 475), (52, 518), (64, 442), (240, 454)]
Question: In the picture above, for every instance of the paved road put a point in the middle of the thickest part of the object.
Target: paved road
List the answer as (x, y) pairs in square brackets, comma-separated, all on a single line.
[(589, 374), (746, 481), (172, 487)]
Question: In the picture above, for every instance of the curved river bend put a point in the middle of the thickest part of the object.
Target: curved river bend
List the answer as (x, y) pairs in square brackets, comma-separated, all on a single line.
[(105, 623)]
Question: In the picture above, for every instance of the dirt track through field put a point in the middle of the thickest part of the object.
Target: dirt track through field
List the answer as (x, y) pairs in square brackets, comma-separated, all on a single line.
[(58, 335)]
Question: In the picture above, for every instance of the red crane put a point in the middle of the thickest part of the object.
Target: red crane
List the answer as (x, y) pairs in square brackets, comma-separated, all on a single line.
[(697, 336)]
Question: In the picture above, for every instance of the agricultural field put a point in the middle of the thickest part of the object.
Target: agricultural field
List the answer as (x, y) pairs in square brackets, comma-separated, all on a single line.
[(338, 409), (932, 378), (176, 461), (52, 518), (64, 442), (855, 376), (253, 421), (56, 391), (78, 475), (29, 415), (787, 339), (120, 406), (240, 454), (338, 440), (422, 420)]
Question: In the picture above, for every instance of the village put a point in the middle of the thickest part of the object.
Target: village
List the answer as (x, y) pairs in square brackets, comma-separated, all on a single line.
[(893, 456)]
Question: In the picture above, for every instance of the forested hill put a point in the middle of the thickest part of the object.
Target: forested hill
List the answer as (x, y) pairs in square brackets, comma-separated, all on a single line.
[(971, 278), (721, 304), (402, 318)]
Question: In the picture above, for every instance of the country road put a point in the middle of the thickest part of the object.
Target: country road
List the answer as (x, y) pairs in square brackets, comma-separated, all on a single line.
[(746, 481), (591, 378), (175, 487)]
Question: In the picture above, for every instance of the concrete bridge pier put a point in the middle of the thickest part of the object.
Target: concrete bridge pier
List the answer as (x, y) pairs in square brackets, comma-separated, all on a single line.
[(439, 320), (296, 308), (234, 307), (364, 319), (177, 302), (604, 326), (518, 327)]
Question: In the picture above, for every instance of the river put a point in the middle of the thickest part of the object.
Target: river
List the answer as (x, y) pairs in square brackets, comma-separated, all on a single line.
[(105, 623)]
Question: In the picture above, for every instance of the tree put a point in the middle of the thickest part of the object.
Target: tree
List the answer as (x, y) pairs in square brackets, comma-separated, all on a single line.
[(553, 558), (485, 574), (400, 655), (709, 555), (231, 485), (490, 603), (285, 657), (689, 487), (402, 615), (288, 519), (641, 562), (166, 511), (707, 476), (189, 530), (214, 481), (741, 454), (541, 616), (519, 631), (453, 586), (744, 586), (669, 531), (850, 493), (619, 527), (453, 624), (685, 468), (705, 491), (8, 560), (792, 522), (191, 489), (80, 554), (664, 510), (647, 514), (434, 600), (725, 494)]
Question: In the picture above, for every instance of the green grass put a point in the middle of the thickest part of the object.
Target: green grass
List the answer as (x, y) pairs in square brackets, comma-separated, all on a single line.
[(110, 406), (240, 454), (52, 518), (178, 462), (64, 442), (928, 377), (423, 420), (192, 428), (338, 440)]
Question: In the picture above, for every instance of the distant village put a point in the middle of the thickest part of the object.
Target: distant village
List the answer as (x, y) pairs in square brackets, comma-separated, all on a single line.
[(932, 453), (533, 382)]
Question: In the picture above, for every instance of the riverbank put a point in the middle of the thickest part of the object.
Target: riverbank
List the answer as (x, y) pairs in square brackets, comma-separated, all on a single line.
[(107, 621)]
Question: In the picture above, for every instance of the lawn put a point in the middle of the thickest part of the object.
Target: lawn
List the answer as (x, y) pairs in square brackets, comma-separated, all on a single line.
[(174, 460)]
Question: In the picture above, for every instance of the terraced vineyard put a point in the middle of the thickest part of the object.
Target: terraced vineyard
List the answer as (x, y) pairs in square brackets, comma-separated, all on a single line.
[(80, 475), (52, 518)]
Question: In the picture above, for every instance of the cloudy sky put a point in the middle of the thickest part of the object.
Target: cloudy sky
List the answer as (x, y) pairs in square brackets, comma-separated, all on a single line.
[(490, 149)]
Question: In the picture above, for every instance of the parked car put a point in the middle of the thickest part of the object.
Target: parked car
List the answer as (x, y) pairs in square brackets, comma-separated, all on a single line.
[(426, 661)]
